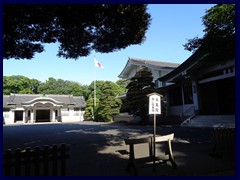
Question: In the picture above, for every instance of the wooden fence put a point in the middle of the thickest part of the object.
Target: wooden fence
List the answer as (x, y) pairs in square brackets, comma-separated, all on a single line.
[(224, 142), (46, 161)]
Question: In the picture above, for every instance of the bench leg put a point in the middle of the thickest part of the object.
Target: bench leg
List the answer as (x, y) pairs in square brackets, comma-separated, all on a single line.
[(170, 154), (131, 161)]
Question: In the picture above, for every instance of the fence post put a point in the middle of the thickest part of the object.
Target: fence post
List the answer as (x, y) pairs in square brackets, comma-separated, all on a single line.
[(36, 156), (36, 161), (224, 141), (63, 159), (7, 162), (18, 162), (27, 161), (54, 159), (45, 160)]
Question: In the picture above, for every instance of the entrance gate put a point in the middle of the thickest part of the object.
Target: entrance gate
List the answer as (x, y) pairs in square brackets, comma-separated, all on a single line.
[(42, 115)]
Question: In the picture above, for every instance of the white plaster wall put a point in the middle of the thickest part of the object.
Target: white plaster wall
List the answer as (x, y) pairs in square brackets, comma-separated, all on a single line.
[(73, 116), (6, 116), (67, 116), (133, 72)]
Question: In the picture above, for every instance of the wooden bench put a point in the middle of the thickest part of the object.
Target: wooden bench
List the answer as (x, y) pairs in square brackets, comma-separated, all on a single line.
[(37, 161), (135, 141), (168, 149)]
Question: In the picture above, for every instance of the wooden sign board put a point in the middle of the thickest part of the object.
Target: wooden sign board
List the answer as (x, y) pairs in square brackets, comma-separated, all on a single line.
[(154, 104)]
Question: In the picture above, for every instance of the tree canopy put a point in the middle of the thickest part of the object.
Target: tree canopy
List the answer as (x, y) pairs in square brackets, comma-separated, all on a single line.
[(20, 84), (219, 38), (78, 29), (90, 111), (123, 83), (106, 102), (136, 101), (109, 104), (60, 86), (23, 85)]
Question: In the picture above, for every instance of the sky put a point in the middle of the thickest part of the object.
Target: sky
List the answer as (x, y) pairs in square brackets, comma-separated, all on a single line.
[(171, 26)]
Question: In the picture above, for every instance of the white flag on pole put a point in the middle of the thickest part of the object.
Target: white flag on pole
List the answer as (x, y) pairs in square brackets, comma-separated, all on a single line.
[(97, 64)]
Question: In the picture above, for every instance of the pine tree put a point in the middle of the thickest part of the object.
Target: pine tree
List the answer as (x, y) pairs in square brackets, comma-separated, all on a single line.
[(90, 110), (136, 101), (109, 104)]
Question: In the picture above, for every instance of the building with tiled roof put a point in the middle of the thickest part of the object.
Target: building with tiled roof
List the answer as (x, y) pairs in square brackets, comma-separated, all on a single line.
[(200, 86), (158, 68), (33, 108)]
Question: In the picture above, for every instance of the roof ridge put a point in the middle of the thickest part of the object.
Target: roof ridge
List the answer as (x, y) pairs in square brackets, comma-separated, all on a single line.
[(66, 95), (148, 60)]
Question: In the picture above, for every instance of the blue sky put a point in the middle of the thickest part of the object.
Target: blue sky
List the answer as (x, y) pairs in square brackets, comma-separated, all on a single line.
[(170, 28)]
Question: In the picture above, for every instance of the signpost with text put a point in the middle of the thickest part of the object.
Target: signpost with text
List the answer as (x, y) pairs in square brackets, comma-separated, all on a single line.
[(154, 108)]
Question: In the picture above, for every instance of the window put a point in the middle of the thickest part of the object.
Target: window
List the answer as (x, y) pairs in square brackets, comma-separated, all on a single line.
[(76, 111)]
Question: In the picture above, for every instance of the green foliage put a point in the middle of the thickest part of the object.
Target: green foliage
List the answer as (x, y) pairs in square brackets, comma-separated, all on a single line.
[(219, 38), (106, 103), (136, 101), (19, 84), (90, 110), (123, 84), (59, 86), (78, 28), (109, 104), (220, 20), (99, 85)]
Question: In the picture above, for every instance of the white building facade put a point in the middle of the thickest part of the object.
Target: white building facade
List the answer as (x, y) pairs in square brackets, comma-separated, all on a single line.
[(29, 108), (157, 68)]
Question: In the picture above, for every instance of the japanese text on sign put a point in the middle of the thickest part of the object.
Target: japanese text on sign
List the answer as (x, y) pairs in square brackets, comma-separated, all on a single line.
[(154, 104)]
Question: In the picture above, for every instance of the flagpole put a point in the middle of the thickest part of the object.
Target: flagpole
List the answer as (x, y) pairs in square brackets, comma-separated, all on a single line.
[(96, 64), (95, 90), (94, 84)]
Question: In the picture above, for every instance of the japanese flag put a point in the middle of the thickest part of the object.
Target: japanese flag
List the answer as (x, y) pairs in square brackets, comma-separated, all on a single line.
[(97, 64)]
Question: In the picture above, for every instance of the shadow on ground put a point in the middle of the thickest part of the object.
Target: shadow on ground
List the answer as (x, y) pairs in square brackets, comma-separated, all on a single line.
[(98, 149)]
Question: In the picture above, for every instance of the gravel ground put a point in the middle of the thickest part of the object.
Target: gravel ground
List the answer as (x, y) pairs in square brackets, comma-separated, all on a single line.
[(98, 149)]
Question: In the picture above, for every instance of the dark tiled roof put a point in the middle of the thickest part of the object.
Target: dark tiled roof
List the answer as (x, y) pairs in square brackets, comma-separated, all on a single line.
[(197, 56), (23, 98), (156, 65), (66, 99), (19, 98), (5, 100), (79, 101), (153, 63)]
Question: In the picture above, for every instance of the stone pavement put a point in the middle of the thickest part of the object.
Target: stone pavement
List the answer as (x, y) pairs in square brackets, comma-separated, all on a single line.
[(98, 149)]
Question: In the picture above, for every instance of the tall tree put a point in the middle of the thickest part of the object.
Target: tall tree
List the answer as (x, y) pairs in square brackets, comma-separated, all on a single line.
[(78, 29), (136, 101), (123, 84), (90, 110), (54, 86), (106, 102), (109, 105), (219, 38), (60, 86), (99, 85), (19, 84)]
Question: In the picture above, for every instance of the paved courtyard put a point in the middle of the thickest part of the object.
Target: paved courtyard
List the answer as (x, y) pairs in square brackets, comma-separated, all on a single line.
[(98, 149)]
